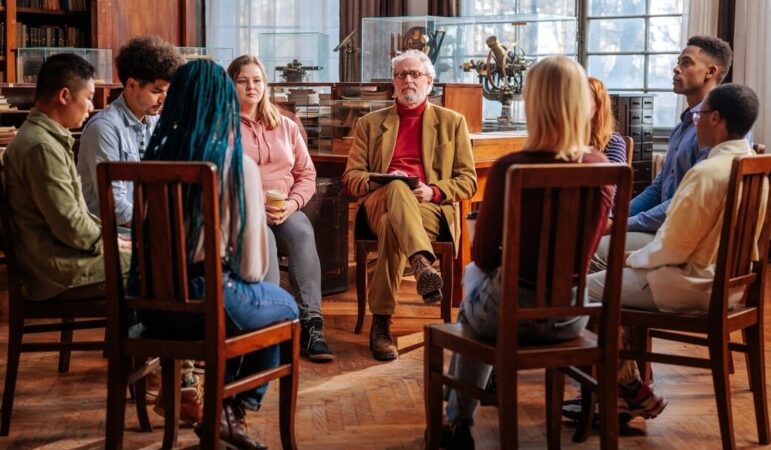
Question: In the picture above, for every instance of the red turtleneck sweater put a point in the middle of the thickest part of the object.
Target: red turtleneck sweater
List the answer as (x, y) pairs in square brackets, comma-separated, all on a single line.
[(407, 155)]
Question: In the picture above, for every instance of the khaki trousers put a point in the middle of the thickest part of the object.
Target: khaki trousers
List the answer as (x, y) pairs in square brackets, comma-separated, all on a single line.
[(403, 227)]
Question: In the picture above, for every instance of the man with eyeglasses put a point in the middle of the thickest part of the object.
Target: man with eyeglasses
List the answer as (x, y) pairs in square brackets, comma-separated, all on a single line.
[(413, 139), (701, 66)]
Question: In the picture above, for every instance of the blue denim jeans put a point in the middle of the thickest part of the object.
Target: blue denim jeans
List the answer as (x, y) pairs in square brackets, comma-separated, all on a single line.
[(295, 238), (479, 310)]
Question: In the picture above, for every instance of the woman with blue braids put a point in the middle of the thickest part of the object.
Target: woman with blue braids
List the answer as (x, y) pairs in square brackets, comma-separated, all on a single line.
[(200, 122)]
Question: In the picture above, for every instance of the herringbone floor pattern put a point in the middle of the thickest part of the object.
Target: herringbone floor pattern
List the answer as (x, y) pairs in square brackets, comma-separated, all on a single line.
[(355, 402)]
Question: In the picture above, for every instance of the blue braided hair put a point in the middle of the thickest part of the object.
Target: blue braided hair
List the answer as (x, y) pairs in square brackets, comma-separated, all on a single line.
[(200, 122)]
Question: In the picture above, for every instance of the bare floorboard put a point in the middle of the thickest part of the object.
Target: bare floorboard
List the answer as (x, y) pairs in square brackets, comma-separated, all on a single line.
[(355, 402)]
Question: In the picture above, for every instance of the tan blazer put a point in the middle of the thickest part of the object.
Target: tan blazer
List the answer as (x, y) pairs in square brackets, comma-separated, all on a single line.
[(446, 152)]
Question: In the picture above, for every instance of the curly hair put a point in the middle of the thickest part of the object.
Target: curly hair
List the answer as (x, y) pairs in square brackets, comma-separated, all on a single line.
[(146, 59), (717, 49), (603, 122)]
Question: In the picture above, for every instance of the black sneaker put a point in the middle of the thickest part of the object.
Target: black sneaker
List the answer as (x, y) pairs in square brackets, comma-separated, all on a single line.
[(457, 436), (313, 344), (572, 410)]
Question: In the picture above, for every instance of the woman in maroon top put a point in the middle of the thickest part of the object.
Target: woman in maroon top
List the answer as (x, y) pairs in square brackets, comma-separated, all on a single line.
[(558, 124)]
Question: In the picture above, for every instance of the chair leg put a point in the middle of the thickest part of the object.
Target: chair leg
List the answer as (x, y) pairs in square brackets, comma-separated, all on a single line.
[(434, 364), (507, 411), (719, 354), (361, 286), (641, 342), (171, 385), (756, 362), (445, 267), (607, 387), (117, 371), (555, 390), (288, 391), (212, 401), (64, 354), (140, 397), (588, 400), (15, 333)]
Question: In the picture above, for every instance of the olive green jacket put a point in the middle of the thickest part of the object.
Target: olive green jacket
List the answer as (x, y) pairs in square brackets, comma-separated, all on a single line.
[(448, 161), (58, 241)]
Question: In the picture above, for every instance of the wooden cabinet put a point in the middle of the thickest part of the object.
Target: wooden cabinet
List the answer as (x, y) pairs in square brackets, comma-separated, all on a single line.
[(634, 117)]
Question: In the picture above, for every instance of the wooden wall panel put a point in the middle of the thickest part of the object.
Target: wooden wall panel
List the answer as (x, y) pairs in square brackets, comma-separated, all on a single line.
[(117, 21)]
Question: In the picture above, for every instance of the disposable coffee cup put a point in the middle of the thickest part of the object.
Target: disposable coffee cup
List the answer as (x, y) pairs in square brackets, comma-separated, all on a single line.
[(275, 198)]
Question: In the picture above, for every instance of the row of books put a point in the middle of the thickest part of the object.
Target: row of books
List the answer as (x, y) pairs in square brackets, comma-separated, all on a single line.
[(54, 5), (50, 36)]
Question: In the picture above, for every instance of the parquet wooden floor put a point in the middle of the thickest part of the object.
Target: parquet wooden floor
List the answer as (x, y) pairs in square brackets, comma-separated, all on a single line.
[(355, 402)]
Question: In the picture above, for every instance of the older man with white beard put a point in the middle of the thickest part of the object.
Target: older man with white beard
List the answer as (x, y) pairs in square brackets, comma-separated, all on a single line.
[(415, 139)]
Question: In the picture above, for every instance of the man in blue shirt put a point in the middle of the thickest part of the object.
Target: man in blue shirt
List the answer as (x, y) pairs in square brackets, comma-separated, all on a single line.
[(121, 131), (701, 66)]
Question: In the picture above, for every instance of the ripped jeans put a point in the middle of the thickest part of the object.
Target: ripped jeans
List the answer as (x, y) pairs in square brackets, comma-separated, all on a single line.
[(479, 310)]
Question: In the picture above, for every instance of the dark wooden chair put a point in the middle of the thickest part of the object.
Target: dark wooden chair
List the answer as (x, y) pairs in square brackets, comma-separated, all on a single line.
[(629, 149), (62, 314), (159, 249), (366, 243), (738, 268), (570, 192)]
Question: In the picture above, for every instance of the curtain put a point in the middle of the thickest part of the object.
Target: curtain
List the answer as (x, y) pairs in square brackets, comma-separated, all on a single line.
[(444, 8), (351, 12), (752, 50)]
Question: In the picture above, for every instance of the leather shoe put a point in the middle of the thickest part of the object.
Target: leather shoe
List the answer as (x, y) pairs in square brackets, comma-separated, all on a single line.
[(190, 404), (428, 279), (380, 340), (233, 432)]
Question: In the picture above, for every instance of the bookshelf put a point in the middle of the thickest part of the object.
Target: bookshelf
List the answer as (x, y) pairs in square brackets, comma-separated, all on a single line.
[(42, 23)]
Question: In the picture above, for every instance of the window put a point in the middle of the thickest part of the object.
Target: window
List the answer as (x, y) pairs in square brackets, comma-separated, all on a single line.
[(632, 45), (237, 24)]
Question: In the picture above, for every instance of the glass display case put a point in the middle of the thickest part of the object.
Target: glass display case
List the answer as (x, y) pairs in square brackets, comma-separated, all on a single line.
[(329, 111), (494, 51), (295, 57), (29, 61), (221, 56)]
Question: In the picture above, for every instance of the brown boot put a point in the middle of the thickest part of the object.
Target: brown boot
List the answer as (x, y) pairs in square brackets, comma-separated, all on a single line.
[(428, 279), (380, 341), (190, 404), (233, 432)]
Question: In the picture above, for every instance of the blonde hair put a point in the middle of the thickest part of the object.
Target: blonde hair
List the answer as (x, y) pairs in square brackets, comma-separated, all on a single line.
[(266, 112), (603, 122), (557, 107)]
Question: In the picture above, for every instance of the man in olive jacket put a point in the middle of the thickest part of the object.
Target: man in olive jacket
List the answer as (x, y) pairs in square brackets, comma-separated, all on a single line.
[(417, 139), (59, 243)]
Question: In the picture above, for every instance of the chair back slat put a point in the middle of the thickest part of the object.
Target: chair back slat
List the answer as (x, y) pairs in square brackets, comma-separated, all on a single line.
[(139, 236), (629, 149), (744, 237), (571, 201), (178, 225), (161, 264), (11, 262), (543, 248)]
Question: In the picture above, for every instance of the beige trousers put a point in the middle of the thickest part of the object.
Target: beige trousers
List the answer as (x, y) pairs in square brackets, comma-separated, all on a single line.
[(403, 227)]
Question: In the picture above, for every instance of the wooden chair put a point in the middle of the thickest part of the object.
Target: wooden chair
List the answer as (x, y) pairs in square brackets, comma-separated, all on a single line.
[(159, 249), (737, 269), (366, 243), (571, 190), (629, 149), (62, 314)]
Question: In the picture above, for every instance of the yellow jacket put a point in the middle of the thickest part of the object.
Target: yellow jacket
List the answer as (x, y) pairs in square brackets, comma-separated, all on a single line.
[(446, 153)]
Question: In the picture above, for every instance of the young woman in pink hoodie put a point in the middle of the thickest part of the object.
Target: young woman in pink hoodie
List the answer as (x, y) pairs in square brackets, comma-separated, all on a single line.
[(275, 142)]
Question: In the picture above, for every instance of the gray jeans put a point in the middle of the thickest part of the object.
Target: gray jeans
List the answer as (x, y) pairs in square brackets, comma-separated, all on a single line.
[(479, 310), (635, 240), (295, 238)]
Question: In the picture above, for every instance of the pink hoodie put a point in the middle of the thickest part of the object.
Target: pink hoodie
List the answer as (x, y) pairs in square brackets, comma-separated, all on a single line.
[(282, 156)]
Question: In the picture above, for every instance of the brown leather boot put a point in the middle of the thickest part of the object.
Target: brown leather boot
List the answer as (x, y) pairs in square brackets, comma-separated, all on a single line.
[(429, 281), (233, 432), (380, 341), (190, 404)]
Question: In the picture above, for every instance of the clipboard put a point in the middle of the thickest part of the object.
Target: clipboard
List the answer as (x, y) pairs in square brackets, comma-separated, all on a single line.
[(412, 182)]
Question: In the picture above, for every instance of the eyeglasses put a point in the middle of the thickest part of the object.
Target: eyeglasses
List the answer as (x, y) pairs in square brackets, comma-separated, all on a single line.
[(413, 73), (697, 115)]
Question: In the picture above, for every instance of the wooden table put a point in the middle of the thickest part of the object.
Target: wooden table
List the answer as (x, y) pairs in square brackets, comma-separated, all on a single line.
[(487, 148)]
